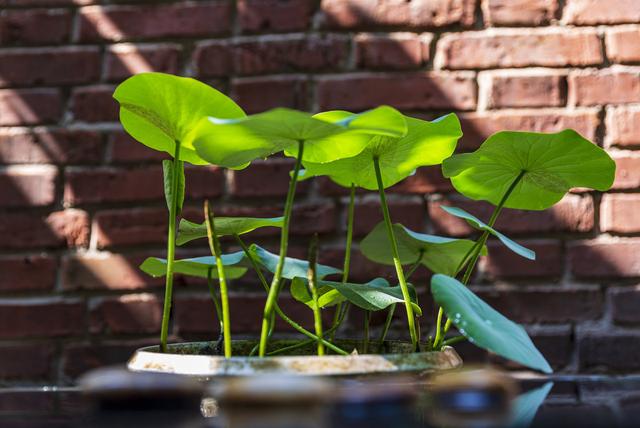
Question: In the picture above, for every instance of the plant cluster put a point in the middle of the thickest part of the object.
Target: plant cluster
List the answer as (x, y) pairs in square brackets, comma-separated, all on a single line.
[(372, 150)]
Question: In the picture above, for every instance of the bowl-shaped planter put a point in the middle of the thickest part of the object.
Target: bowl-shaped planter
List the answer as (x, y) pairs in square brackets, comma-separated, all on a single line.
[(200, 360)]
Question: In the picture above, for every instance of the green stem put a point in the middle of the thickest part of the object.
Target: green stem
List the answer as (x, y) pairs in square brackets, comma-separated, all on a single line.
[(453, 340), (177, 169), (313, 287), (347, 257), (214, 246), (396, 257), (439, 332), (214, 297), (367, 321), (274, 290)]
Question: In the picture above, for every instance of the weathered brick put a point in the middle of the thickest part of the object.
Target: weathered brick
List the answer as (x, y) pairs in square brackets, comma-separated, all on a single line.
[(36, 26), (94, 104), (129, 314), (609, 351), (55, 66), (124, 60), (130, 227), (623, 44), (37, 318), (34, 146), (428, 90), (257, 94), (409, 212), (590, 12), (395, 51), (615, 85), (116, 23), (124, 149), (425, 180), (68, 228), (27, 273), (504, 263), (547, 47), (29, 106), (627, 170), (79, 358), (602, 258), (619, 213), (274, 15), (250, 182), (213, 59), (625, 303), (203, 182), (519, 12), (72, 225), (623, 126), (28, 186), (364, 14), (528, 88)]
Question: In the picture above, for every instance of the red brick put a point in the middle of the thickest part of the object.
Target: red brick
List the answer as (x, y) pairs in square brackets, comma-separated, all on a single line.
[(27, 273), (106, 271), (29, 106), (124, 149), (609, 351), (625, 303), (68, 228), (428, 90), (410, 212), (37, 26), (310, 218), (250, 182), (619, 213), (394, 51), (78, 359), (55, 66), (589, 12), (615, 85), (130, 227), (519, 12), (623, 126), (547, 47), (529, 88), (213, 59), (37, 318), (124, 60), (44, 2), (257, 94), (94, 104), (50, 146), (28, 186), (396, 13), (623, 44), (627, 170), (426, 180), (32, 361), (203, 182), (572, 214), (129, 314), (116, 23), (504, 263), (274, 15), (605, 258)]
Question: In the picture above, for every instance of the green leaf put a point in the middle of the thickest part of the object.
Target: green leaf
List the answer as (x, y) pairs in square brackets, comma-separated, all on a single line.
[(483, 325), (525, 406), (478, 224), (159, 109), (167, 170), (327, 296), (197, 266), (440, 255), (383, 120), (552, 165), (426, 143), (292, 267), (188, 231)]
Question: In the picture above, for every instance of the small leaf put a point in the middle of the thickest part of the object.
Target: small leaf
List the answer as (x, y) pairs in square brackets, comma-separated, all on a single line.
[(167, 170), (327, 296), (478, 224), (197, 266), (483, 325), (552, 164), (188, 231), (292, 267), (440, 255)]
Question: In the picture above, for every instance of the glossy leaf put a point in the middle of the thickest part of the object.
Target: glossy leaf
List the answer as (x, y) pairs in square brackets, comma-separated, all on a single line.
[(440, 255), (480, 225), (327, 296), (552, 164), (157, 109), (426, 143), (188, 231), (383, 120), (197, 266), (167, 171), (292, 267), (483, 325)]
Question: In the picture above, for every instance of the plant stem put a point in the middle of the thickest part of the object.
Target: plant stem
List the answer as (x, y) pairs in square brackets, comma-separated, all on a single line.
[(177, 169), (453, 340), (214, 246), (396, 257), (347, 256), (365, 342), (313, 287), (214, 297), (274, 290)]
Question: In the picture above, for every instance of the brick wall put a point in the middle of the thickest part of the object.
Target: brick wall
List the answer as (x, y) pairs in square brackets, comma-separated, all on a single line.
[(81, 205)]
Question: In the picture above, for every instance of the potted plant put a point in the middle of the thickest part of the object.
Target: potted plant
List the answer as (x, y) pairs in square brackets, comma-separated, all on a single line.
[(372, 150)]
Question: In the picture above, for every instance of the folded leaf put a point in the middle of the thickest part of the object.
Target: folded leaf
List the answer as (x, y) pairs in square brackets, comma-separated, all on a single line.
[(551, 163), (327, 296), (483, 325), (188, 231), (197, 266), (167, 170), (383, 120), (292, 267), (478, 224)]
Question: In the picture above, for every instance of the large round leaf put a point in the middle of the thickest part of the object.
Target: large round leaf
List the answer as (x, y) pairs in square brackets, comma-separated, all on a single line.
[(157, 109), (440, 255), (197, 266), (551, 164), (188, 231), (426, 143), (483, 325), (383, 120)]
